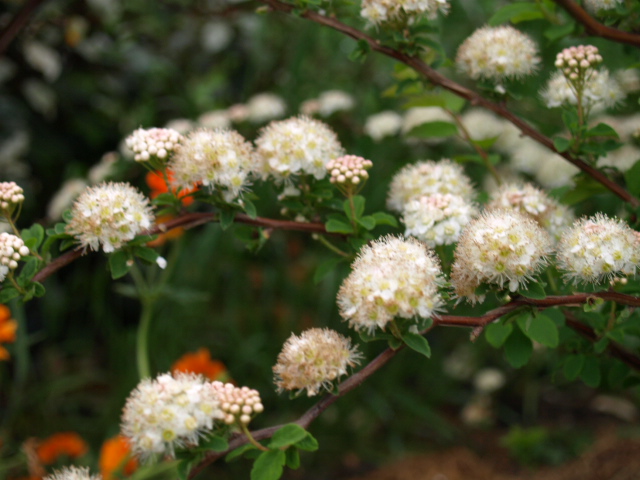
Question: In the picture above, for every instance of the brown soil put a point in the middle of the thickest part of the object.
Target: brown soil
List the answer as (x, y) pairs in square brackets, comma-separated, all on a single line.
[(610, 457)]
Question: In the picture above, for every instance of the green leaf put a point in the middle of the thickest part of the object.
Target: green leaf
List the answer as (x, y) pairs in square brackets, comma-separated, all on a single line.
[(556, 32), (516, 12), (602, 130), (541, 329), (570, 119), (632, 177), (358, 207), (146, 253), (38, 289), (383, 218), (31, 267), (573, 366), (534, 290), (239, 452), (288, 435), (33, 236), (338, 226), (293, 458), (308, 443), (249, 208), (269, 465), (226, 217), (486, 143), (214, 443), (518, 349), (443, 99), (475, 158), (368, 222), (562, 144), (590, 373), (433, 129), (417, 342), (601, 345), (497, 333), (8, 293), (325, 268), (120, 263)]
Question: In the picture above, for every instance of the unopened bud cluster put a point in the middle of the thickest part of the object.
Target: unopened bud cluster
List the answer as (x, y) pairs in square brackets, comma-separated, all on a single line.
[(11, 195), (576, 61), (153, 143), (237, 403), (349, 170), (313, 360), (12, 249)]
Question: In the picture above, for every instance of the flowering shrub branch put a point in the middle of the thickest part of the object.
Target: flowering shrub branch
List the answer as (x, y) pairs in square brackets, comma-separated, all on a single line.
[(474, 98)]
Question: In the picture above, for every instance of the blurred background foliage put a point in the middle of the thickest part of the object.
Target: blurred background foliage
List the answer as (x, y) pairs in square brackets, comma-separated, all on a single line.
[(86, 73)]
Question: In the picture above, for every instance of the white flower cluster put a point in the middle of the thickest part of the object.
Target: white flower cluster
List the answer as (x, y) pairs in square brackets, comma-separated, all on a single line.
[(599, 91), (169, 412), (328, 103), (549, 169), (264, 107), (296, 146), (499, 247), (109, 214), (153, 143), (238, 404), (391, 277), (11, 196), (437, 219), (497, 53), (402, 11), (536, 204), (482, 124), (427, 178), (596, 5), (313, 360), (12, 249), (349, 169), (383, 124), (598, 248), (220, 159), (73, 473)]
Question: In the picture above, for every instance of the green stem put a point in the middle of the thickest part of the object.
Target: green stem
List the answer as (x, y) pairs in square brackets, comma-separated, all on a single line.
[(394, 330), (331, 246), (15, 284), (612, 317), (22, 359), (352, 218), (142, 339), (252, 440), (552, 282)]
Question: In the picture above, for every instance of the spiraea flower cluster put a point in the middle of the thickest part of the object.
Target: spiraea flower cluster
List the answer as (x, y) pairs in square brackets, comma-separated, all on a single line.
[(264, 107), (349, 171), (238, 404), (437, 219), (597, 5), (379, 12), (12, 249), (109, 215), (328, 103), (427, 178), (578, 62), (11, 197), (73, 473), (597, 249), (391, 277), (218, 159), (149, 144), (170, 412), (383, 124), (503, 248), (599, 91), (535, 203), (497, 53), (314, 360), (297, 146)]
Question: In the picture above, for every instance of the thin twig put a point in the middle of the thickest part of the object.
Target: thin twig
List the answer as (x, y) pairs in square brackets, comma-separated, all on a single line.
[(18, 23), (474, 98)]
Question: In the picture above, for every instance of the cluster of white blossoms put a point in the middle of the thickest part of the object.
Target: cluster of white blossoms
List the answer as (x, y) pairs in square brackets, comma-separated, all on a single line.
[(148, 144), (402, 11), (497, 53), (383, 124), (73, 473), (549, 169), (535, 203), (313, 360), (109, 214), (391, 277), (598, 248), (427, 178), (437, 219), (264, 107), (499, 247), (170, 412), (11, 196), (599, 91), (218, 159), (349, 170), (238, 404), (297, 146), (12, 249), (328, 103), (596, 5)]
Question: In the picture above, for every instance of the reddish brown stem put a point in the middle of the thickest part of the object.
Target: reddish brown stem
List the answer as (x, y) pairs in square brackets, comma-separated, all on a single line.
[(18, 22), (474, 98)]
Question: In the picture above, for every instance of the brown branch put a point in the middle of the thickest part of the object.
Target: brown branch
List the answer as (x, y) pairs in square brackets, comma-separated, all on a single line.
[(187, 221), (474, 98), (593, 27), (359, 377), (18, 23)]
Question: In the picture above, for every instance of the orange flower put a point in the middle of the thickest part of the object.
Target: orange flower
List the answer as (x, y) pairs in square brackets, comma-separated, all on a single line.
[(8, 327), (69, 444), (200, 362), (115, 457), (156, 183)]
